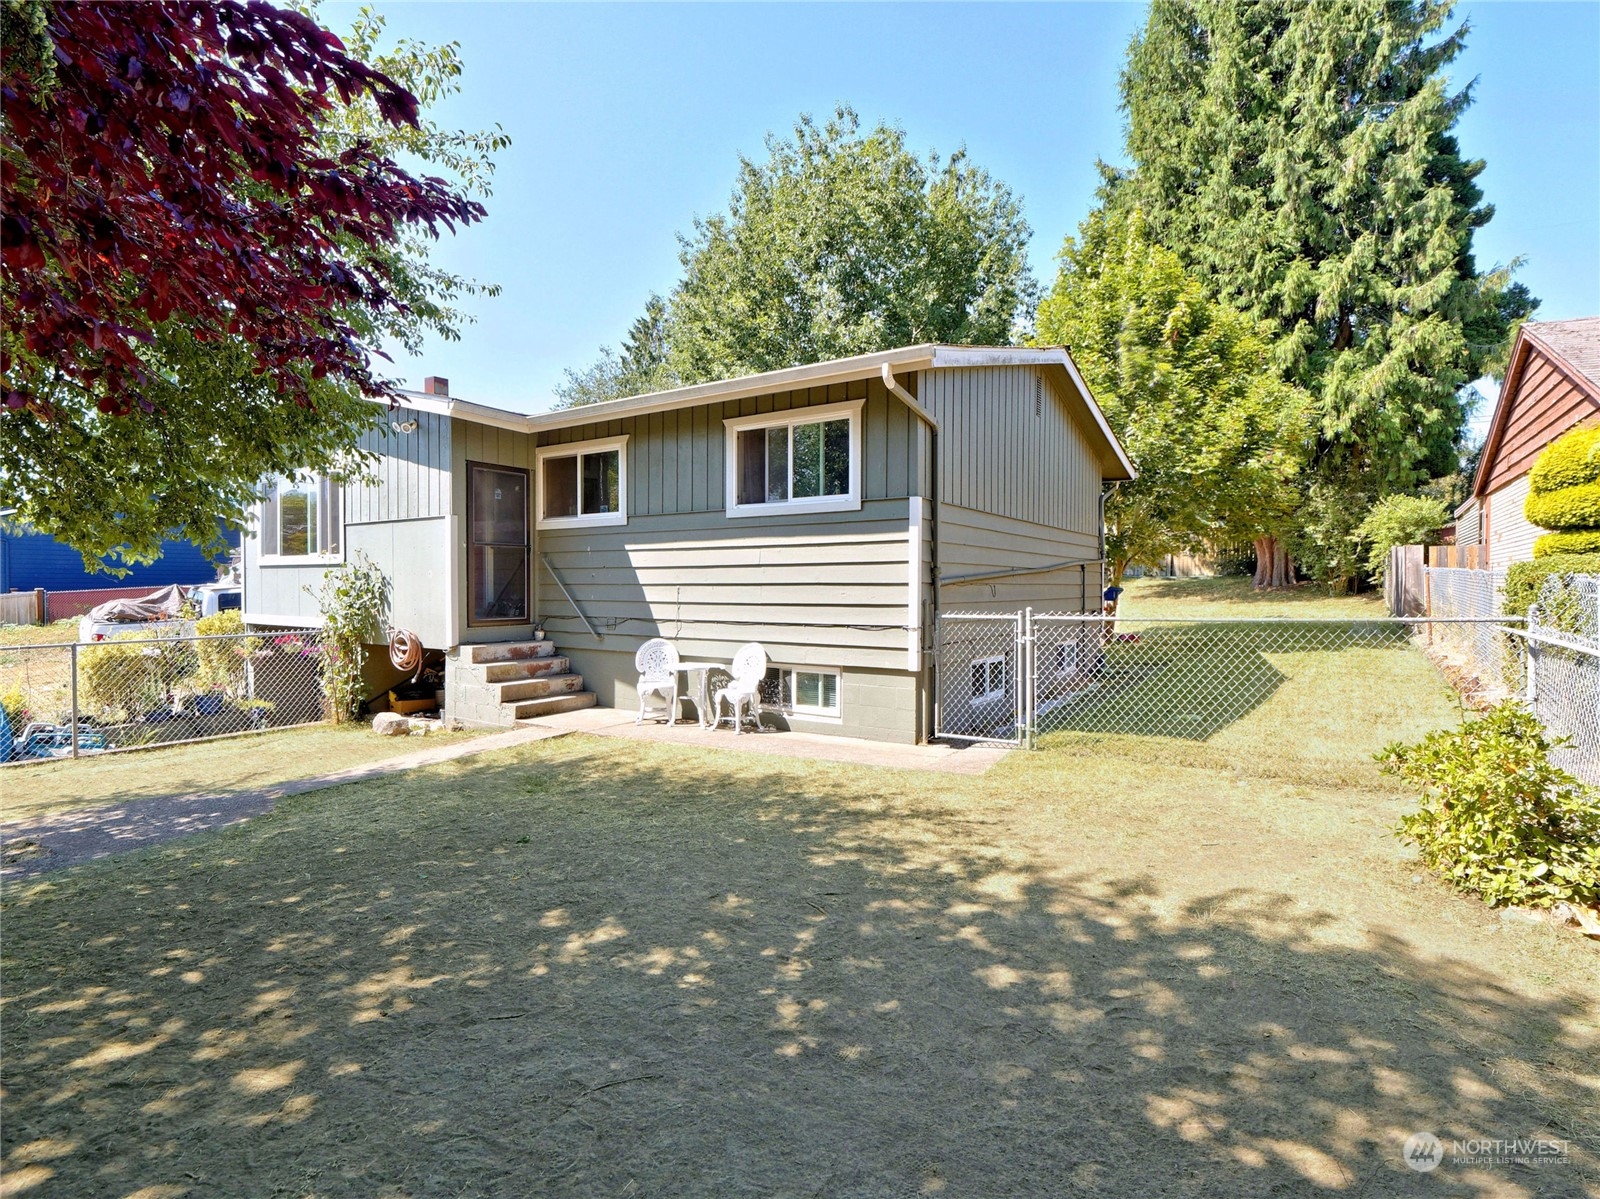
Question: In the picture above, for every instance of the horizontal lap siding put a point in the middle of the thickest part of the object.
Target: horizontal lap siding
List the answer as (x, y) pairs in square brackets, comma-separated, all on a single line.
[(1511, 534), (1019, 488), (828, 590), (1545, 405)]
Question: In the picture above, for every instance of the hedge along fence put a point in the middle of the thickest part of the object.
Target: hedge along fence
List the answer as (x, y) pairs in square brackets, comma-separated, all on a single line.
[(1564, 494)]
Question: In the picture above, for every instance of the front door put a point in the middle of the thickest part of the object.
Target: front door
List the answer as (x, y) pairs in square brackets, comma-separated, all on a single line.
[(497, 553)]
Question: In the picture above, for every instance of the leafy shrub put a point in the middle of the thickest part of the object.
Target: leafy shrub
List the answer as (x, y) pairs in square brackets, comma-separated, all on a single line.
[(1524, 579), (354, 599), (15, 704), (1570, 508), (1571, 460), (1497, 819), (121, 681), (1399, 520), (1576, 541), (222, 662)]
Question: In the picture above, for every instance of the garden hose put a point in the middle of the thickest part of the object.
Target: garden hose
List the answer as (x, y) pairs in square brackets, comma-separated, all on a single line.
[(405, 650)]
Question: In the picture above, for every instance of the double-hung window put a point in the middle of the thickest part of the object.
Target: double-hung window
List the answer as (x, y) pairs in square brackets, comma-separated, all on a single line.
[(301, 518), (802, 460), (583, 483)]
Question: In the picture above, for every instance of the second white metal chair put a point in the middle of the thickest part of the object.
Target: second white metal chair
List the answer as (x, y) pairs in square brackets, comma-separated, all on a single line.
[(657, 664), (743, 693)]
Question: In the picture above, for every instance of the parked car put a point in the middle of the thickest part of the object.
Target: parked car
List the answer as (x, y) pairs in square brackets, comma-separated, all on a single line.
[(160, 611)]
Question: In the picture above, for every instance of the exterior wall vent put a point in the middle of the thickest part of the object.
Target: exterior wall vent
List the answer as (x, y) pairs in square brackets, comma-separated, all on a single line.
[(1038, 394)]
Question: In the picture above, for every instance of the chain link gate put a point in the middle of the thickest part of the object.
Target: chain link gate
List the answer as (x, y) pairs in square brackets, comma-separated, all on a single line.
[(1005, 678), (981, 676)]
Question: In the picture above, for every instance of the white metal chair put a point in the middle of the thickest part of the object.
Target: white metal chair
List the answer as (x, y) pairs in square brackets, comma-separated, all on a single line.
[(743, 693), (657, 664)]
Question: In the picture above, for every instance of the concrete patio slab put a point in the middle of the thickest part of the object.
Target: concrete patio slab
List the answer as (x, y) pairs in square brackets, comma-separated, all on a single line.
[(947, 759)]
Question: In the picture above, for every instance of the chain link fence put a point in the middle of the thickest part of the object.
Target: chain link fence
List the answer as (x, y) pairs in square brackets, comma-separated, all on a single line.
[(136, 690), (1012, 677), (982, 660), (1562, 640)]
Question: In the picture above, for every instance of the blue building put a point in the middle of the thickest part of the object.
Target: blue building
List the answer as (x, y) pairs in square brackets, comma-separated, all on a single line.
[(29, 560)]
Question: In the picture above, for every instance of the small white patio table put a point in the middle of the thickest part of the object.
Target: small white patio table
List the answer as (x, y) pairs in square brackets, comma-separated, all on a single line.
[(702, 695)]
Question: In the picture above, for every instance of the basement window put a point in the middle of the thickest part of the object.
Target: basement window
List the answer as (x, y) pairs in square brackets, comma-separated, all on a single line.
[(802, 691), (583, 483), (988, 680), (802, 460)]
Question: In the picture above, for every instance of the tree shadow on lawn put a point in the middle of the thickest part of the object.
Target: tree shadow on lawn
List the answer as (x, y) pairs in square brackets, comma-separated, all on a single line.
[(625, 971), (1191, 681)]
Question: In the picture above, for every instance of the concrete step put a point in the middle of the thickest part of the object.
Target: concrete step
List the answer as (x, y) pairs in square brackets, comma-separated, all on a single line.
[(559, 683), (508, 651), (487, 673), (551, 704)]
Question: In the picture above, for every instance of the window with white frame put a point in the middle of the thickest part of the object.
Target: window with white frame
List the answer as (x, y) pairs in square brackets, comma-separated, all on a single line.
[(583, 483), (988, 679), (301, 518), (802, 691), (802, 460), (1067, 659)]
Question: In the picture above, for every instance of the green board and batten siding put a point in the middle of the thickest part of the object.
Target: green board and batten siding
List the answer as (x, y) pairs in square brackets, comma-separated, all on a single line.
[(1019, 489), (401, 520)]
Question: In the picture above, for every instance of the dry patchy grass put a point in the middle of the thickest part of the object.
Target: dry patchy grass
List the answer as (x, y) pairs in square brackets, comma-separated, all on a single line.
[(1233, 596), (222, 766), (1115, 967)]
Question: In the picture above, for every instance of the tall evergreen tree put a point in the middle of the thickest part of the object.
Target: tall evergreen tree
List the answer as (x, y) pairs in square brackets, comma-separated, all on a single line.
[(639, 367), (1300, 158)]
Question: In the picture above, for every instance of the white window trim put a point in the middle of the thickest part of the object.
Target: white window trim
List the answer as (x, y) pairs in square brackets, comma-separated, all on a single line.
[(578, 448), (806, 712), (268, 558), (734, 425), (989, 697)]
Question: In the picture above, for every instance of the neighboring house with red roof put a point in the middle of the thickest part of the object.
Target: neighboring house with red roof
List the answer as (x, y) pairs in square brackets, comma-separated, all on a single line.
[(1552, 385)]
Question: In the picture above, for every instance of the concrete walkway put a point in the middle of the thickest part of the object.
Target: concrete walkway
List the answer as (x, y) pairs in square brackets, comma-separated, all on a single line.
[(32, 846), (948, 759)]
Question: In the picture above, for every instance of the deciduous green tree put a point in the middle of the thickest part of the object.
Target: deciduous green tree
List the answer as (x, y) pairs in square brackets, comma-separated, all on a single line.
[(1301, 160), (219, 402), (1218, 440), (840, 243)]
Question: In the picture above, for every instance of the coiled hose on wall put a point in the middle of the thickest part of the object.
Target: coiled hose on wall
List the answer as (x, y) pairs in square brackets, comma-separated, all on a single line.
[(405, 650)]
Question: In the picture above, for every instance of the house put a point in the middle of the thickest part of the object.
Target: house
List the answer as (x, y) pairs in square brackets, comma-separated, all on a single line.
[(1552, 385), (30, 560), (827, 511)]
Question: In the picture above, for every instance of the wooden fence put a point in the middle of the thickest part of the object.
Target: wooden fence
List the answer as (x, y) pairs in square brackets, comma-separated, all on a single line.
[(22, 607)]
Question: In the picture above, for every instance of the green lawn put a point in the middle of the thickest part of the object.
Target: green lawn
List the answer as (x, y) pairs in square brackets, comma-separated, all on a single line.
[(1233, 596), (227, 764)]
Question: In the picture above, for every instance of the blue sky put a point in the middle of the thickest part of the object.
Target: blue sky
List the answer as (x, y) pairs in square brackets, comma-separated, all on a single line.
[(627, 121)]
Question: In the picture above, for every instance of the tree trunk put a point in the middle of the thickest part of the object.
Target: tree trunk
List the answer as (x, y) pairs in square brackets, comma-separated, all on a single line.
[(1274, 568)]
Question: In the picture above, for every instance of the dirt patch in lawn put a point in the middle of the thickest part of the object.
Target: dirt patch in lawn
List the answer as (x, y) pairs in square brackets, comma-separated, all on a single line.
[(602, 968)]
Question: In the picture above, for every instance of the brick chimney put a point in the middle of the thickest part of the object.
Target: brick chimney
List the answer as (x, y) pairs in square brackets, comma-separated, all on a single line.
[(434, 385)]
